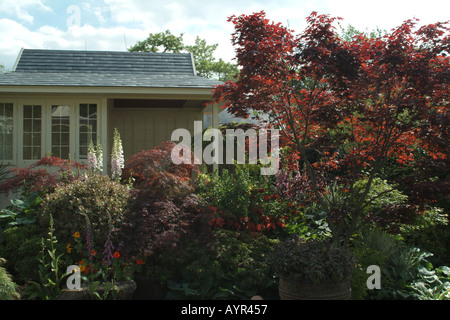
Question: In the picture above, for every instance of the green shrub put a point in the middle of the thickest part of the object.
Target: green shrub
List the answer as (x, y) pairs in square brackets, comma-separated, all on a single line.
[(21, 247), (244, 200), (430, 232), (385, 206), (406, 271), (432, 284), (92, 206), (233, 265), (371, 247), (8, 289)]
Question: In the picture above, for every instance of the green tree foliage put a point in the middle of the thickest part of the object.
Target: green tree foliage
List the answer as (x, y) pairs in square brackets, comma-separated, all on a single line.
[(206, 64), (162, 41), (350, 31)]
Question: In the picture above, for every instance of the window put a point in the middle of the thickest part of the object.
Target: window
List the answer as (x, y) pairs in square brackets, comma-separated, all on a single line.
[(88, 128), (60, 120), (6, 131), (32, 120)]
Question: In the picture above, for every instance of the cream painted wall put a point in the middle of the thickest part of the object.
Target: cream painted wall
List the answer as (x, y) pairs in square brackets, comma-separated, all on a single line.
[(145, 129)]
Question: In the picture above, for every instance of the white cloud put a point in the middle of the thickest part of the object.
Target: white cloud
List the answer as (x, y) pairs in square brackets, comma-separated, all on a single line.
[(20, 8), (114, 38), (99, 12), (388, 14), (75, 38), (117, 24)]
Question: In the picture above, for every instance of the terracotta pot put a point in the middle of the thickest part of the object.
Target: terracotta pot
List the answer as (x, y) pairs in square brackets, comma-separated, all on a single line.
[(289, 290)]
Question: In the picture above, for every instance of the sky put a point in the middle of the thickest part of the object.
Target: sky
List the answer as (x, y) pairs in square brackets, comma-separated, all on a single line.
[(118, 24)]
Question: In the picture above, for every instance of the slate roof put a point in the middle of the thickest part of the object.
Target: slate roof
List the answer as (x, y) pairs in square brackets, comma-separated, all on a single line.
[(104, 69)]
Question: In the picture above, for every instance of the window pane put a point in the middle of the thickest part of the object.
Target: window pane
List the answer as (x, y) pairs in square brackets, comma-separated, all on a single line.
[(6, 131), (27, 139), (87, 127), (56, 151), (92, 111), (65, 126), (27, 112), (37, 125), (36, 139), (60, 131), (83, 110), (36, 153), (93, 126), (83, 127), (83, 150), (56, 139), (65, 152), (64, 140), (27, 125), (84, 139), (9, 110), (32, 117), (27, 153), (36, 112)]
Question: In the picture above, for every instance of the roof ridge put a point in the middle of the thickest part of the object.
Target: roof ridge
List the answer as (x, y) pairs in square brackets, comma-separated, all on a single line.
[(105, 51)]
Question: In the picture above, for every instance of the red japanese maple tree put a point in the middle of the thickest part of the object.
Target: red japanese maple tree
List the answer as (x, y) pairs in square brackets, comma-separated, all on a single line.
[(343, 107)]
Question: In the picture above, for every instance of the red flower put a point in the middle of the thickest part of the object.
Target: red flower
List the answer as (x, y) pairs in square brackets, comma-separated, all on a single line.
[(116, 255), (140, 262)]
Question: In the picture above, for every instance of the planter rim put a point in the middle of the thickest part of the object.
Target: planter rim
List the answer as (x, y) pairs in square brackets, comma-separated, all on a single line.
[(291, 290)]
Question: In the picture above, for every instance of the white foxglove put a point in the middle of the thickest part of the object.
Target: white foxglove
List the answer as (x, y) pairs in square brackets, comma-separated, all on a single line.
[(117, 160), (91, 158)]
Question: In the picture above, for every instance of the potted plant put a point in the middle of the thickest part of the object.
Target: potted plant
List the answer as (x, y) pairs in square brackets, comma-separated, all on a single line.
[(312, 269)]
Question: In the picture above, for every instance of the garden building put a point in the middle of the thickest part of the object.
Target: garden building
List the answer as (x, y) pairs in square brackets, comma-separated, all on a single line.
[(54, 102)]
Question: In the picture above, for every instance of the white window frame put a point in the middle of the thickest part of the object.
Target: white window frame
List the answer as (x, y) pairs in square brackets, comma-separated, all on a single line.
[(46, 127), (19, 142), (88, 102), (14, 131), (48, 133)]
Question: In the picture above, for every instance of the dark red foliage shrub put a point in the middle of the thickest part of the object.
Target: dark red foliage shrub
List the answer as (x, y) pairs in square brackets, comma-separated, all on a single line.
[(42, 176), (153, 171), (159, 224), (164, 208)]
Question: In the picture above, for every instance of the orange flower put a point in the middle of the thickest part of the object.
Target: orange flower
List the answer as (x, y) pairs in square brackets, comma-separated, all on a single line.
[(76, 234), (93, 252), (68, 248), (116, 255)]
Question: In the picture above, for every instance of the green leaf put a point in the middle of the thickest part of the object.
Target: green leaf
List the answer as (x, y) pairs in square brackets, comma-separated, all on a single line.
[(7, 214), (445, 270), (19, 203), (22, 221)]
